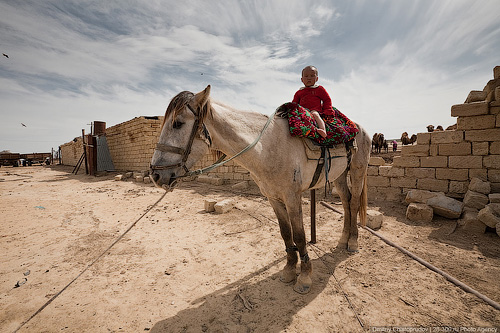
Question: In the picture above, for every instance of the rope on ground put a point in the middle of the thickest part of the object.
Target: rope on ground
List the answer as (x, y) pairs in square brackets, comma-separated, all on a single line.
[(432, 267), (90, 265), (437, 270), (338, 285)]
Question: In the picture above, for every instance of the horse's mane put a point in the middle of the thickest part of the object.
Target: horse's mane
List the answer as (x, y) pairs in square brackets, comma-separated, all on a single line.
[(182, 99)]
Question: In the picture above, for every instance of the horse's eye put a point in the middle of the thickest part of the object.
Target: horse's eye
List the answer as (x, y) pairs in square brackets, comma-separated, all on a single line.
[(177, 124)]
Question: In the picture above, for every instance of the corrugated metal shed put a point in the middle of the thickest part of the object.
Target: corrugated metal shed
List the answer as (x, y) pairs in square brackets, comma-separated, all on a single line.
[(104, 162)]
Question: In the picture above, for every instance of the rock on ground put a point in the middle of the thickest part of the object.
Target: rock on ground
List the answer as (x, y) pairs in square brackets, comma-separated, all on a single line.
[(419, 212), (420, 196), (374, 219), (475, 199), (446, 206), (224, 206), (489, 216)]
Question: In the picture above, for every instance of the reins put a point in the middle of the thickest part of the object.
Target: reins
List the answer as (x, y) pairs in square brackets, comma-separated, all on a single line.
[(89, 265), (220, 161)]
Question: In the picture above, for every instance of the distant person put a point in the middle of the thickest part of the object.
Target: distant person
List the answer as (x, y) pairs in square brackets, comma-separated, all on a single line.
[(394, 145)]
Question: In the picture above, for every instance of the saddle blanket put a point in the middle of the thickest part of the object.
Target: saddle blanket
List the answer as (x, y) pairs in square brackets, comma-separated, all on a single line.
[(339, 128)]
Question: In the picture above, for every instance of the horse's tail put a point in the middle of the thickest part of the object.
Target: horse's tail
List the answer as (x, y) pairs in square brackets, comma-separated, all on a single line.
[(363, 202)]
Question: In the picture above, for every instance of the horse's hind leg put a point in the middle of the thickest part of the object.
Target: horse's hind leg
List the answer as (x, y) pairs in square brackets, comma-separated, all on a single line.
[(345, 197), (288, 274)]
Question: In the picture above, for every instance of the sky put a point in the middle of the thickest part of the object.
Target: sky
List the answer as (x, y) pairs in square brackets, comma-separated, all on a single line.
[(394, 66)]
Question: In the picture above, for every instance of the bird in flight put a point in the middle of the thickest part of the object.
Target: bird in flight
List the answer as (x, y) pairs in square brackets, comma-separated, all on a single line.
[(23, 124), (5, 55)]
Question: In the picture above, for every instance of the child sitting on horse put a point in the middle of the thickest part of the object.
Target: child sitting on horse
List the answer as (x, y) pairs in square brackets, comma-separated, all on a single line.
[(315, 98)]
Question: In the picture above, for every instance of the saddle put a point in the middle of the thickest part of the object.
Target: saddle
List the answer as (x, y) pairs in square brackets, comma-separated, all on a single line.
[(339, 129), (326, 155)]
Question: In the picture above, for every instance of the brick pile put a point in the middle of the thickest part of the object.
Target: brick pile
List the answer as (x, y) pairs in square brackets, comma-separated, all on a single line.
[(446, 161)]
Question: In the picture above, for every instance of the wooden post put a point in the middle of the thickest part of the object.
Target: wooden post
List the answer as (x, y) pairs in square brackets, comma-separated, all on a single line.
[(85, 152), (313, 216)]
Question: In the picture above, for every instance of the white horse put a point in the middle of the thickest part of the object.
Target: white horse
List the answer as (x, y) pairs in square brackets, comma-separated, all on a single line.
[(277, 162)]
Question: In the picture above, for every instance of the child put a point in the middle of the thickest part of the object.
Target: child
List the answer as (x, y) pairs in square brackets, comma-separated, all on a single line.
[(314, 97)]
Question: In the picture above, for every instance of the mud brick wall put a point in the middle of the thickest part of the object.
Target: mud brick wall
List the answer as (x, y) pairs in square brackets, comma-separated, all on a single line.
[(131, 144), (230, 172), (446, 161), (71, 152)]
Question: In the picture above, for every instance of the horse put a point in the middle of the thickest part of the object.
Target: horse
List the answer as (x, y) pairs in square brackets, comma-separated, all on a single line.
[(194, 124)]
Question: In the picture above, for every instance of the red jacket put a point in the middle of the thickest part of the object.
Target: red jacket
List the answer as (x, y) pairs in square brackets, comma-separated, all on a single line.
[(314, 98)]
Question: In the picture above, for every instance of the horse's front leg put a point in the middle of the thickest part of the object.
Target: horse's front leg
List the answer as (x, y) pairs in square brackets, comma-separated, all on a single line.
[(304, 280), (288, 274)]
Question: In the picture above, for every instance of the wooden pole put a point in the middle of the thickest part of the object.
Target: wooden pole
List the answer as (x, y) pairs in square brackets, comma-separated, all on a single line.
[(77, 166), (313, 216), (85, 152)]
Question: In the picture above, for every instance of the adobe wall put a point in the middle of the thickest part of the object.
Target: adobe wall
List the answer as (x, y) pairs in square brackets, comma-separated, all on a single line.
[(71, 152), (229, 172), (446, 161), (131, 144)]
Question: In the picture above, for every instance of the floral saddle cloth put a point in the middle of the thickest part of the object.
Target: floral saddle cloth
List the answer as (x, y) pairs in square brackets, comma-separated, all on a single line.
[(339, 128)]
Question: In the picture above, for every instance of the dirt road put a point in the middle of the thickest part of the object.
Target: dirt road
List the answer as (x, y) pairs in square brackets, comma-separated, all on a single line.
[(180, 269)]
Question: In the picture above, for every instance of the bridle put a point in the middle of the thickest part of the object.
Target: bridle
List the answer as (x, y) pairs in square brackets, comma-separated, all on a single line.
[(197, 126), (184, 152)]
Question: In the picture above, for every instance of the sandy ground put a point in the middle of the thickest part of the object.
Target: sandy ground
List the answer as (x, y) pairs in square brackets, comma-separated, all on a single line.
[(180, 269)]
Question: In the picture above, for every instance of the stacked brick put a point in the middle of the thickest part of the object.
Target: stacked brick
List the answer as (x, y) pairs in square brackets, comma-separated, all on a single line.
[(229, 172), (71, 152), (446, 161), (131, 144)]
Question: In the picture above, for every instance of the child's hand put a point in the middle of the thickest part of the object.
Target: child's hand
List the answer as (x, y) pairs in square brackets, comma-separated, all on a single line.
[(321, 132)]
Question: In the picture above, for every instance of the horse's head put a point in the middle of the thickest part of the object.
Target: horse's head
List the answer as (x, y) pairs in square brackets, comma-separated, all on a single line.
[(184, 138)]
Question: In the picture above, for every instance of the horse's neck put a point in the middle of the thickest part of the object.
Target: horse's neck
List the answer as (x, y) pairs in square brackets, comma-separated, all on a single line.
[(233, 130)]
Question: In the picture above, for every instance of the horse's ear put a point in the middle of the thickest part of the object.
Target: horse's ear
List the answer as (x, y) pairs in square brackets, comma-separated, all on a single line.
[(202, 103), (202, 97)]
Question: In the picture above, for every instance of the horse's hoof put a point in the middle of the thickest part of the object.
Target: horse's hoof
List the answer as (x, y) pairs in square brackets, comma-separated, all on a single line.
[(288, 275), (344, 239), (301, 289), (352, 247), (303, 285), (342, 245)]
